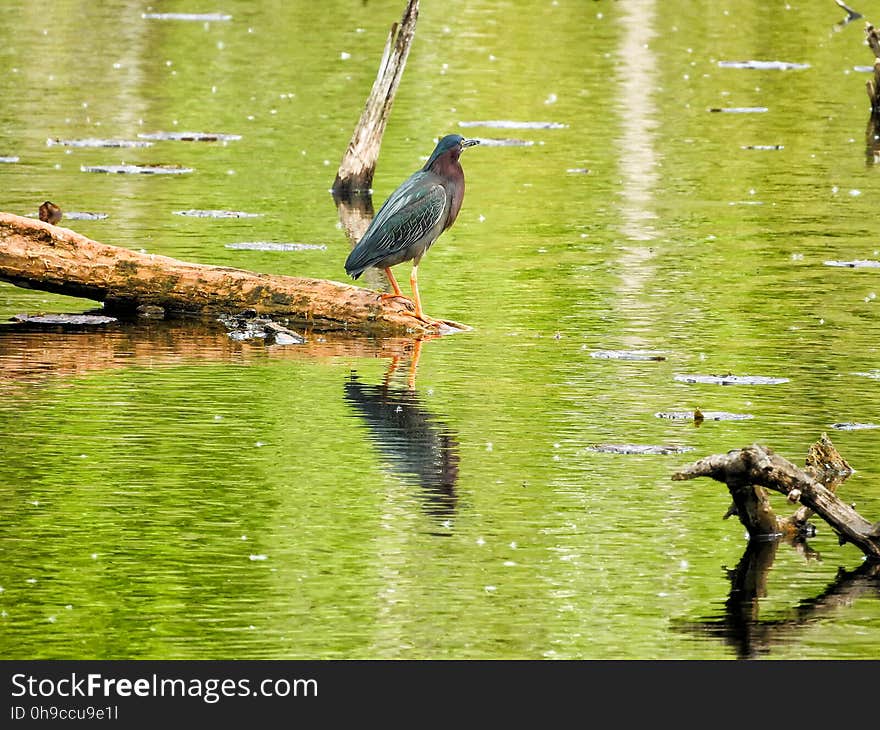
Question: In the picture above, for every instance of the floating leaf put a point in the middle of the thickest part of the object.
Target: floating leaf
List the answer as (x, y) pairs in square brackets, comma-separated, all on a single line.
[(138, 169), (875, 374), (217, 214), (740, 109), (638, 449), (197, 17), (857, 264), (504, 124), (628, 354), (490, 142), (763, 65), (75, 215), (731, 379), (94, 142), (268, 246), (190, 136), (703, 415)]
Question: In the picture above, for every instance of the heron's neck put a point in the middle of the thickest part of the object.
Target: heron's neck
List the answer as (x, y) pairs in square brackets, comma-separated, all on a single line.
[(448, 166)]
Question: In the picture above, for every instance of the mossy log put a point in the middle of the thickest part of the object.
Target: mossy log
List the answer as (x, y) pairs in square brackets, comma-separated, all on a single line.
[(748, 472), (38, 255)]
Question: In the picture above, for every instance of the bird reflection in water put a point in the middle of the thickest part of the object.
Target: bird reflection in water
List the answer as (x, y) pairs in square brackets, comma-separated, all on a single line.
[(414, 445)]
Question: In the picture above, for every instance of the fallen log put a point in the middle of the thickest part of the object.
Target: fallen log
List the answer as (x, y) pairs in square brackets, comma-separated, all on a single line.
[(359, 161), (746, 472), (38, 255)]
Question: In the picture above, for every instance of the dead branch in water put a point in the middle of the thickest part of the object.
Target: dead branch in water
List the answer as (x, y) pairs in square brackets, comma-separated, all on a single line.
[(748, 472), (359, 161)]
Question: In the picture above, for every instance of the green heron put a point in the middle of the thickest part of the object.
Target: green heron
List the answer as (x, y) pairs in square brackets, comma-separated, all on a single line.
[(413, 217), (50, 213)]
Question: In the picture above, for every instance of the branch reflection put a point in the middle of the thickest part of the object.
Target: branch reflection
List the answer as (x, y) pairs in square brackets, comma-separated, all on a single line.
[(740, 625)]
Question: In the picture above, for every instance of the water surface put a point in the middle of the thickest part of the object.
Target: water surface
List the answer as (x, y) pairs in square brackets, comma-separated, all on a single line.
[(169, 492)]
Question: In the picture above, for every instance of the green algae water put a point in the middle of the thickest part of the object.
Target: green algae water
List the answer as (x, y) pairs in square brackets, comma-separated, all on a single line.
[(168, 492)]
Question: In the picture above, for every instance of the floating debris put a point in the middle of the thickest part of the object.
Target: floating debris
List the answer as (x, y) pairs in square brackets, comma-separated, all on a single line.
[(196, 17), (217, 214), (740, 109), (731, 379), (578, 170), (851, 15), (504, 124), (72, 320), (762, 147), (78, 215), (628, 354), (875, 374), (857, 264), (248, 326), (703, 416), (490, 142), (864, 69), (94, 142), (9, 158), (190, 136), (763, 65), (638, 449), (853, 426), (269, 246), (138, 169)]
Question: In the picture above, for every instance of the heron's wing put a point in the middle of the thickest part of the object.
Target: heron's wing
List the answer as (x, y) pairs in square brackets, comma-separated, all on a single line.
[(405, 218)]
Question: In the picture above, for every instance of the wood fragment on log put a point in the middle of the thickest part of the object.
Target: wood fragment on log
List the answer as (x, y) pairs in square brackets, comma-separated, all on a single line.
[(38, 255), (759, 467), (824, 464), (359, 161)]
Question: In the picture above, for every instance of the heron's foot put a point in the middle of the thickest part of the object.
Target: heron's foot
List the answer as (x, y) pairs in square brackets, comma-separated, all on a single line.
[(406, 301), (440, 324)]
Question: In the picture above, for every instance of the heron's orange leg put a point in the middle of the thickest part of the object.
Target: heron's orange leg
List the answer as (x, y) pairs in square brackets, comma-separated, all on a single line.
[(414, 283), (397, 294), (394, 285)]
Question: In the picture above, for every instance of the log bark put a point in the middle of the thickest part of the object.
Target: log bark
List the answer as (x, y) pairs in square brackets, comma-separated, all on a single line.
[(359, 161), (759, 466), (38, 255)]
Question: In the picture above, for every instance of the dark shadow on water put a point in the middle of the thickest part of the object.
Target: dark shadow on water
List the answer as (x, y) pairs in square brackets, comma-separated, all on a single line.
[(740, 625), (413, 443)]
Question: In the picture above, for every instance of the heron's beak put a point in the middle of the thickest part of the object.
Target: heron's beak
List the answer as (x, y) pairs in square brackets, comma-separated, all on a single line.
[(469, 142)]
